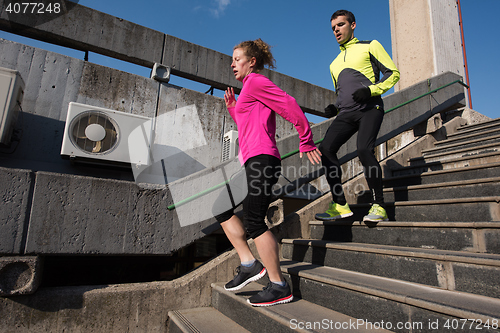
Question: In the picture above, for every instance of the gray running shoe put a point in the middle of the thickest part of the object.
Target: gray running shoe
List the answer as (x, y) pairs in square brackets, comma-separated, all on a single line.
[(245, 275), (272, 294)]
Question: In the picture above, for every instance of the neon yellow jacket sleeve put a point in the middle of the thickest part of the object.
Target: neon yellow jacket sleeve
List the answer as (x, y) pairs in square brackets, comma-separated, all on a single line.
[(387, 68)]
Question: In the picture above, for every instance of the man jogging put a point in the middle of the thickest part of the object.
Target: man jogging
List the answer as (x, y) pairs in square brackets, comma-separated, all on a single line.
[(356, 78)]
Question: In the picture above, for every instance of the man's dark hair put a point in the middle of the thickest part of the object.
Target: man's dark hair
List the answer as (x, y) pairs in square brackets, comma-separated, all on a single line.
[(343, 12)]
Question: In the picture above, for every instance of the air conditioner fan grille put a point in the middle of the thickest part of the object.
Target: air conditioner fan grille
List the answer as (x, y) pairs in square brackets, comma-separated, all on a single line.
[(79, 136)]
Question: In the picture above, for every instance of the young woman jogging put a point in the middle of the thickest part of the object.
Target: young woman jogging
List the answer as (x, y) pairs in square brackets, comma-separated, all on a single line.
[(255, 115)]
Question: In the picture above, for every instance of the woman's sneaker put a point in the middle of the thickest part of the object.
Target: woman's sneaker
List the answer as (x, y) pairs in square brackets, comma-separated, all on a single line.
[(272, 294), (334, 212), (376, 214), (245, 275)]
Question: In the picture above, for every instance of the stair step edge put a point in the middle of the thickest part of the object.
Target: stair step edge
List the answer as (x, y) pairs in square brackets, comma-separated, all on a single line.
[(479, 125), (472, 129), (438, 172), (432, 202), (459, 144), (444, 184), (469, 135), (447, 161), (299, 309), (207, 319), (409, 224), (485, 259), (452, 303)]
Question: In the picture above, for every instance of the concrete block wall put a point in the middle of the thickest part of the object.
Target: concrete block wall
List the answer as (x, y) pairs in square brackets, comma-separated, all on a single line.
[(80, 215), (15, 193)]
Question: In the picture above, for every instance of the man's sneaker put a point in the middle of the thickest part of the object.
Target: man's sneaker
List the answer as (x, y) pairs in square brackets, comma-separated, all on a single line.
[(272, 294), (334, 212), (245, 275), (376, 214)]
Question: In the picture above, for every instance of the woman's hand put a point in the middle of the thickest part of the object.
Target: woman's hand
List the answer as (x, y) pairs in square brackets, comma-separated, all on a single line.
[(314, 156), (229, 98)]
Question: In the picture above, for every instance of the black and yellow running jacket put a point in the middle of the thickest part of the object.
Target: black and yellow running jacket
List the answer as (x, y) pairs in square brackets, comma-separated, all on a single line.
[(359, 65)]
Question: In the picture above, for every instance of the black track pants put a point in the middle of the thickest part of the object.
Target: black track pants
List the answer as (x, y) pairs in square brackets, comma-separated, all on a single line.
[(367, 124)]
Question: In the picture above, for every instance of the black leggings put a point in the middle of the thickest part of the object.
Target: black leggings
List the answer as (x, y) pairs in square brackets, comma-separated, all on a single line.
[(367, 124), (262, 172)]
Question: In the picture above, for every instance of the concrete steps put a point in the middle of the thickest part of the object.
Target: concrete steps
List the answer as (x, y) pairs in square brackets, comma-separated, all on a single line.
[(438, 268), (414, 306), (485, 187), (487, 128), (433, 267), (299, 315), (230, 312), (469, 146), (447, 210), (485, 125), (480, 154), (440, 245), (205, 319), (401, 178), (468, 139), (454, 159), (452, 236)]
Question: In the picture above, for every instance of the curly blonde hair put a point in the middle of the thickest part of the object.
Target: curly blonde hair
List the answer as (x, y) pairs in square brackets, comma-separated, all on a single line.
[(260, 50)]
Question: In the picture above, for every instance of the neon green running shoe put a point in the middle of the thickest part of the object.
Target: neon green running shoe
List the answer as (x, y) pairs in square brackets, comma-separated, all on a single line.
[(376, 214), (334, 212)]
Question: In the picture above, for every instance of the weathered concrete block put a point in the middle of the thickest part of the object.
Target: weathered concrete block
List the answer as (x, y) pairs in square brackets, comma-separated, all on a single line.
[(109, 88), (85, 215), (15, 193), (485, 281), (491, 237), (19, 275)]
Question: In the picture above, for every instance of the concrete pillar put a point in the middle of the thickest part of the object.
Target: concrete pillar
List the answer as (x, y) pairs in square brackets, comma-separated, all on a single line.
[(426, 39)]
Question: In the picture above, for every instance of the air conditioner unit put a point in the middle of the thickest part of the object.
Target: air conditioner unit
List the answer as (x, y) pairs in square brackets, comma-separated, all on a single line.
[(103, 135), (229, 145), (11, 96)]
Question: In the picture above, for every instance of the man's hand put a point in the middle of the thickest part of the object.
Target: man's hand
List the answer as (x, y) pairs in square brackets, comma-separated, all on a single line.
[(362, 94), (331, 111)]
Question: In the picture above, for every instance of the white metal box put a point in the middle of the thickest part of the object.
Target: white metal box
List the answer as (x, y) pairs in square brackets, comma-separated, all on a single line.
[(11, 96), (229, 145), (106, 135)]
